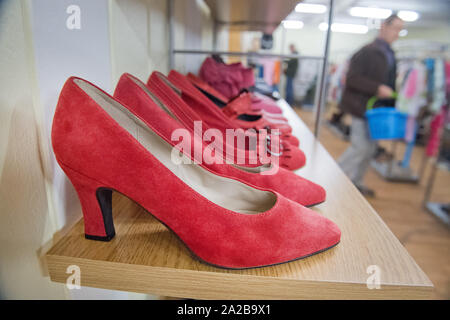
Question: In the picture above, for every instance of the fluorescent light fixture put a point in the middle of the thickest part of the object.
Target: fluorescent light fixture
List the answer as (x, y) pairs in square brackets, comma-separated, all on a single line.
[(292, 24), (310, 8), (403, 33), (408, 15), (345, 27), (367, 12), (323, 26)]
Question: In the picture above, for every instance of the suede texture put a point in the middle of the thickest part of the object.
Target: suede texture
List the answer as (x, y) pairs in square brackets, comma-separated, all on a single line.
[(257, 102), (87, 141), (206, 87), (246, 156), (266, 104), (292, 158), (239, 105), (243, 106), (283, 181), (227, 79)]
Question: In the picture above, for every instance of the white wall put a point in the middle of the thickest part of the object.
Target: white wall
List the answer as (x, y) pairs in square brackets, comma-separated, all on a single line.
[(25, 222), (192, 30), (61, 52), (139, 37), (311, 41)]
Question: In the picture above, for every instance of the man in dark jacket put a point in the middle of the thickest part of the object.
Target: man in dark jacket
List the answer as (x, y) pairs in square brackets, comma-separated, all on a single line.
[(372, 72)]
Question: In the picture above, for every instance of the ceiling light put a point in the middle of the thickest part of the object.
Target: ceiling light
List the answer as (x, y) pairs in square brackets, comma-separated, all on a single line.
[(366, 12), (345, 27), (408, 15), (292, 24), (323, 26), (403, 33), (310, 8)]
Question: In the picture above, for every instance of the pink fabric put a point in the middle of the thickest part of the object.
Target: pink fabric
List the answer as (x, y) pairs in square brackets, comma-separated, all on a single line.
[(269, 68), (411, 84), (434, 139)]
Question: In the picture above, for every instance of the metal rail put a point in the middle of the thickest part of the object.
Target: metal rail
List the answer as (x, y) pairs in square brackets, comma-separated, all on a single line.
[(247, 54), (322, 84)]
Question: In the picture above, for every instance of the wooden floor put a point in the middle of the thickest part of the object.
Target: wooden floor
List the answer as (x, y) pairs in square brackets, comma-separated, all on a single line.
[(400, 206)]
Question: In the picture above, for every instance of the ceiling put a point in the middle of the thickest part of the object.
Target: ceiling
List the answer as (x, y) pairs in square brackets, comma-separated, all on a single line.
[(261, 15), (433, 13)]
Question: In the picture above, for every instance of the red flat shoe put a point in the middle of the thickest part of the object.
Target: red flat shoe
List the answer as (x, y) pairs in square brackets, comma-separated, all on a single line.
[(290, 157), (136, 96), (258, 101), (237, 110), (206, 106), (103, 147)]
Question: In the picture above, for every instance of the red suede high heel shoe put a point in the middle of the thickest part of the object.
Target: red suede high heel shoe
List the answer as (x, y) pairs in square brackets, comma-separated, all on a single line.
[(232, 111), (136, 96), (290, 157), (103, 146)]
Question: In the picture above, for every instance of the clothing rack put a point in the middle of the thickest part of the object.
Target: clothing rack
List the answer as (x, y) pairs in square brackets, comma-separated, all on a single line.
[(392, 170), (414, 49), (320, 95), (435, 208)]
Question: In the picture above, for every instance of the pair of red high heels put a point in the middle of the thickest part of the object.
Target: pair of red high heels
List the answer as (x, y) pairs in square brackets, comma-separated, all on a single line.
[(228, 215)]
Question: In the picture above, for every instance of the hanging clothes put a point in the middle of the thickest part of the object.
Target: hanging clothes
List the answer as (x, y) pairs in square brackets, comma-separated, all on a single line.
[(269, 69), (438, 90), (337, 82), (277, 72), (435, 128), (412, 90)]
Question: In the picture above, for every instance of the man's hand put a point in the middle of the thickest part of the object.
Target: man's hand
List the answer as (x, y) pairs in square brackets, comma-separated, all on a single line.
[(384, 92)]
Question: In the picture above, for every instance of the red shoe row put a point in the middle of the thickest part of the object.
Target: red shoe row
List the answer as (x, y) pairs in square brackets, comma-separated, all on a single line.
[(228, 215), (291, 157)]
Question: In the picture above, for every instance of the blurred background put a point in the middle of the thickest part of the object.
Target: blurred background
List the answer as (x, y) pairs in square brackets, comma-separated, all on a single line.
[(408, 179)]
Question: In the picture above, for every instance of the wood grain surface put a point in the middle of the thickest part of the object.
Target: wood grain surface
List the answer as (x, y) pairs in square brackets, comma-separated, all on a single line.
[(146, 257)]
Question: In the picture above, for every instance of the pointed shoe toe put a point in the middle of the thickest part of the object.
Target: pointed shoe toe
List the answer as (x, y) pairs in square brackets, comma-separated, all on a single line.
[(292, 158), (293, 140)]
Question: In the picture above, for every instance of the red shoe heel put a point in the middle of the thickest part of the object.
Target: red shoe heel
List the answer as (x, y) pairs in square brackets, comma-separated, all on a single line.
[(96, 203)]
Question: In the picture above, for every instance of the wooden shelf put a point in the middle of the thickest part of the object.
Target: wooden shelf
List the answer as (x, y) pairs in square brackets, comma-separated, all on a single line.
[(146, 257)]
